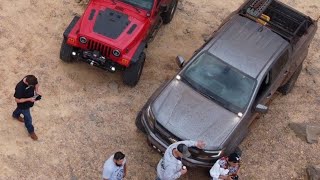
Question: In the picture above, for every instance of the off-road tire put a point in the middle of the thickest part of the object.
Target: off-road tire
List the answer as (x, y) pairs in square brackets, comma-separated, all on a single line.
[(286, 88), (139, 123), (66, 52), (168, 15), (132, 74)]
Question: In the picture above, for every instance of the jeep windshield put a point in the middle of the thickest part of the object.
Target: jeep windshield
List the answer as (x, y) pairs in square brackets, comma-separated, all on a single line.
[(219, 81), (144, 4)]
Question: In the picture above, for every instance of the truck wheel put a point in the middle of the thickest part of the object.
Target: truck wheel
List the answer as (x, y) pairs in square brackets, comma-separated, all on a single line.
[(132, 74), (66, 51), (139, 123), (238, 151), (286, 88), (168, 15)]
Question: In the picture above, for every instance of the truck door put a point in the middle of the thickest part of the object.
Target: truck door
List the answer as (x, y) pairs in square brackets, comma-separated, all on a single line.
[(271, 81)]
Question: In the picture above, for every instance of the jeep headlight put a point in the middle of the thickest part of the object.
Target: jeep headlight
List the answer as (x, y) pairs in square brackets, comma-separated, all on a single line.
[(116, 53), (150, 117), (83, 40)]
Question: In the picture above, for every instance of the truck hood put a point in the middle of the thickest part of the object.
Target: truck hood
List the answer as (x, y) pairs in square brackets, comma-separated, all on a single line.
[(189, 115), (116, 25)]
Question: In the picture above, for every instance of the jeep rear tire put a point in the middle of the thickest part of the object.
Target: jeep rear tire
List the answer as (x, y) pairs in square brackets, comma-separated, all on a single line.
[(132, 74), (168, 15), (139, 123), (286, 88), (66, 51)]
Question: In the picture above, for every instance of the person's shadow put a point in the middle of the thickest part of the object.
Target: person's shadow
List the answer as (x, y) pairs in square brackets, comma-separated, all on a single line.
[(197, 174)]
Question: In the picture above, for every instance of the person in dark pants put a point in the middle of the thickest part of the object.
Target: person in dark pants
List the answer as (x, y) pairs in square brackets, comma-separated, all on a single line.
[(26, 93)]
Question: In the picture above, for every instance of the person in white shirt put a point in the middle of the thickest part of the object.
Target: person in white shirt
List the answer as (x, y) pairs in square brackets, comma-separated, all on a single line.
[(170, 166), (115, 168), (226, 168)]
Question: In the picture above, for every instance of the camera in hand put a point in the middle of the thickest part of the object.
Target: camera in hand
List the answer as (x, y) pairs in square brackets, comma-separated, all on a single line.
[(235, 177), (37, 97)]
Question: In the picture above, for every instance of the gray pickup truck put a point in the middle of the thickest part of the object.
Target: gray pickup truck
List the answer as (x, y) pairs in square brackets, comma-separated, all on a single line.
[(258, 50)]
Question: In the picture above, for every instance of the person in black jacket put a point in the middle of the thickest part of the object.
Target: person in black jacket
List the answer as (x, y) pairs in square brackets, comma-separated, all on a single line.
[(26, 93)]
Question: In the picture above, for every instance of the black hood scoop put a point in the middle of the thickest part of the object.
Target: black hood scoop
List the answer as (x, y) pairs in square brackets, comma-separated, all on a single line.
[(111, 23)]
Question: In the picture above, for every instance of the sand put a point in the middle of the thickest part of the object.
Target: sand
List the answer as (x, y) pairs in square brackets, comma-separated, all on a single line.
[(87, 114)]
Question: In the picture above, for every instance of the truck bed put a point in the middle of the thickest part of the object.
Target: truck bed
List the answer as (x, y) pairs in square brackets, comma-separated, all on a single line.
[(280, 18)]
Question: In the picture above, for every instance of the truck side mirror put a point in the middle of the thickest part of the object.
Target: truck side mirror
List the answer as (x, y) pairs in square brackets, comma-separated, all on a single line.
[(180, 61), (261, 109)]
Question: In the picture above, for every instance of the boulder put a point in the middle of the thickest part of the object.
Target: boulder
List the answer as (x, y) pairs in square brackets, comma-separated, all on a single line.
[(313, 133), (313, 172), (299, 129)]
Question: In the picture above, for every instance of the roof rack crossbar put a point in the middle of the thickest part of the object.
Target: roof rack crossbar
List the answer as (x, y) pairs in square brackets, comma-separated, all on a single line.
[(281, 28), (304, 23), (296, 24), (285, 34), (287, 26), (285, 15)]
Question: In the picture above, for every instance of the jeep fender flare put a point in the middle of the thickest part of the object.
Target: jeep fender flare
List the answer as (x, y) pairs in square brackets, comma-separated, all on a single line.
[(70, 27), (139, 50)]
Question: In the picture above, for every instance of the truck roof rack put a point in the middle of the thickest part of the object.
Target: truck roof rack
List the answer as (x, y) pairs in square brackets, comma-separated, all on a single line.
[(256, 7), (283, 20)]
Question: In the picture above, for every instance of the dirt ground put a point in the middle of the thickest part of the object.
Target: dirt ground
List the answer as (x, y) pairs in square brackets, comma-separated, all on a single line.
[(87, 114)]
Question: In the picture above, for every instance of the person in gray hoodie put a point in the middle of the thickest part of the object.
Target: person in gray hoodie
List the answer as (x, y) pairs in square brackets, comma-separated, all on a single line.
[(170, 166)]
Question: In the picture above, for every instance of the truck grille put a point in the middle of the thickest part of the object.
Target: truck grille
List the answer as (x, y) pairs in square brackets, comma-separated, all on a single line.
[(164, 134), (104, 50)]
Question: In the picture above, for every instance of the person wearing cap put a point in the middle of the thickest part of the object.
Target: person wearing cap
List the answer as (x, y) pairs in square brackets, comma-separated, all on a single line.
[(25, 92), (226, 167), (170, 166), (115, 168)]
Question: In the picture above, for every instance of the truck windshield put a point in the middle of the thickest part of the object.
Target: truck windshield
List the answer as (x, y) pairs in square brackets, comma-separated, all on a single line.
[(144, 4), (224, 84)]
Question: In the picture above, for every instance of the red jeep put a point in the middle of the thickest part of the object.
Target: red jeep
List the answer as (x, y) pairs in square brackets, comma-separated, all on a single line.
[(112, 34)]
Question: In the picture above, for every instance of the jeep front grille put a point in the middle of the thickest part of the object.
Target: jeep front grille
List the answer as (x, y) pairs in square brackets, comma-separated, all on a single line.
[(104, 50)]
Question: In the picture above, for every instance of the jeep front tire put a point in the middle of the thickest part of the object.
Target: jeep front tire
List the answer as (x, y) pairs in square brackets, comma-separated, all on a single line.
[(168, 15), (66, 51), (132, 74)]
